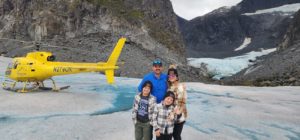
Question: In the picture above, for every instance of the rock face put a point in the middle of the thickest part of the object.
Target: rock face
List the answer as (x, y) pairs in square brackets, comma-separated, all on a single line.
[(279, 68), (87, 30), (219, 33)]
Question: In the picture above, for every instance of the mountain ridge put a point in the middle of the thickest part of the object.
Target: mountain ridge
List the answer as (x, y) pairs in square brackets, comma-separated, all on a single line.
[(219, 33), (86, 30), (281, 68)]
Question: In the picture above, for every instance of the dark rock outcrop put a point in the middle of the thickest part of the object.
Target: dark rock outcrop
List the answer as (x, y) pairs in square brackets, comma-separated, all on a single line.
[(86, 30)]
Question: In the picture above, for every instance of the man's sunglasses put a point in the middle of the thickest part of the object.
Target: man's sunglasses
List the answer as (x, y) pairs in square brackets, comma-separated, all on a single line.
[(157, 62)]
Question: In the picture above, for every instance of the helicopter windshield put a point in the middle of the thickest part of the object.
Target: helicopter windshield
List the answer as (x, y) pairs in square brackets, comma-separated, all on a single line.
[(8, 69), (51, 58), (15, 65)]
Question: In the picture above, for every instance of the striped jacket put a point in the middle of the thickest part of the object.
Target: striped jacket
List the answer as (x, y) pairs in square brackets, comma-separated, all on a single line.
[(163, 118), (152, 103)]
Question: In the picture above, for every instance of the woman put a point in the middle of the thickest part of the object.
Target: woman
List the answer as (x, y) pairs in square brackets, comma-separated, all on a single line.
[(180, 100)]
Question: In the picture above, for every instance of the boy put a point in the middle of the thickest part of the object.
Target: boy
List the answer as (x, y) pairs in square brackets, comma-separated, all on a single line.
[(142, 113)]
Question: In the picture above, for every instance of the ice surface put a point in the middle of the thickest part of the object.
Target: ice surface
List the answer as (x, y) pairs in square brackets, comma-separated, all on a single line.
[(91, 109)]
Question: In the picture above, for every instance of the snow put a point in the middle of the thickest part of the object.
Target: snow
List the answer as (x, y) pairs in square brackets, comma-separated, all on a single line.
[(227, 66), (246, 42), (287, 9), (91, 109)]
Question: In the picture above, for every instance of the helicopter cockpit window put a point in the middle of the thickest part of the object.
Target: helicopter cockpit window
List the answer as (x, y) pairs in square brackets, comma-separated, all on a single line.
[(51, 58), (15, 65)]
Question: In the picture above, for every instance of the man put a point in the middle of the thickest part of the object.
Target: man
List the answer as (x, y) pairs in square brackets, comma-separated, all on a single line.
[(159, 82), (158, 79)]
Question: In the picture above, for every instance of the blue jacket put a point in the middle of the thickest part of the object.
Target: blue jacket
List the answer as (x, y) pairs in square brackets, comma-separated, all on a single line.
[(159, 85)]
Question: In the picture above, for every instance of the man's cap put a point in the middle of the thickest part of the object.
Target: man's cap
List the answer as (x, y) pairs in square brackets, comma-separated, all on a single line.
[(157, 62)]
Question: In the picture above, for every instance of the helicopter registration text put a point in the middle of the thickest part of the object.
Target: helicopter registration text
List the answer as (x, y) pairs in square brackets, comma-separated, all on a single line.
[(62, 69)]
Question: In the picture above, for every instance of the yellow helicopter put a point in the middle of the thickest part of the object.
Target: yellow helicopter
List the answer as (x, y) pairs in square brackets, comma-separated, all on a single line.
[(39, 66)]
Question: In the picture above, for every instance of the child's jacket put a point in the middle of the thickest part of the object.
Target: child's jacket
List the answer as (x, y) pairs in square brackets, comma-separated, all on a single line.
[(163, 118), (152, 103)]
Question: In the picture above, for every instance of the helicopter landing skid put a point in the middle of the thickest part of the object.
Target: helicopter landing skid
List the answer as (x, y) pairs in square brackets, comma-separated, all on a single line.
[(18, 90), (57, 89), (10, 89), (36, 89), (38, 86)]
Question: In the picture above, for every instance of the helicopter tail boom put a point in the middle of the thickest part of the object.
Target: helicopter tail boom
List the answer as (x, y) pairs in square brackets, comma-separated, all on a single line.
[(112, 60)]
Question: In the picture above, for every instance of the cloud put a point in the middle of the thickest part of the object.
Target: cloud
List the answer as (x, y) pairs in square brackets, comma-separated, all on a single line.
[(190, 9)]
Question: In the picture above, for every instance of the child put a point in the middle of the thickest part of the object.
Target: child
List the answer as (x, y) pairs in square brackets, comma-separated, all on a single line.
[(163, 117), (180, 100), (142, 113)]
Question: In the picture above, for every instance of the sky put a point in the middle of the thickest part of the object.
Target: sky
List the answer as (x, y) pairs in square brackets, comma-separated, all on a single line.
[(189, 9)]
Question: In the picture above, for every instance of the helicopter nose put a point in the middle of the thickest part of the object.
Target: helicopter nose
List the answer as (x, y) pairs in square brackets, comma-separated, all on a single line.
[(8, 72)]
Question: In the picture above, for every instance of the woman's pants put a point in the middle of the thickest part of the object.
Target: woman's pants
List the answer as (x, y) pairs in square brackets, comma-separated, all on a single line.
[(164, 137), (177, 130)]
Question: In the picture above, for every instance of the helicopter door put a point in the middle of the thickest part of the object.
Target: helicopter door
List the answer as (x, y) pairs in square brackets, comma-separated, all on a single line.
[(31, 66), (20, 69)]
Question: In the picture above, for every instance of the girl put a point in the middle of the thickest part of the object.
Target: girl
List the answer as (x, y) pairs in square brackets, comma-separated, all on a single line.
[(163, 117)]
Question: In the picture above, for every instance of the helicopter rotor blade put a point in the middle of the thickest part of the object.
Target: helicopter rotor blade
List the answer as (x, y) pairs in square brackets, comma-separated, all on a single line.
[(23, 41), (44, 45), (28, 47)]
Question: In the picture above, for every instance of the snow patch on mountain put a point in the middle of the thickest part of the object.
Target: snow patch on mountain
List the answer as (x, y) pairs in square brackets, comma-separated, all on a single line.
[(246, 42), (286, 9)]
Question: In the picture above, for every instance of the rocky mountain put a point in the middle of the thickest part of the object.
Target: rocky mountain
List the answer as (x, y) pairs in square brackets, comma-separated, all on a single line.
[(279, 68), (87, 30), (220, 33), (181, 22)]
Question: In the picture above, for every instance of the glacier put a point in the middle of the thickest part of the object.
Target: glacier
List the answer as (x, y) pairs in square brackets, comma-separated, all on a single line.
[(228, 66)]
